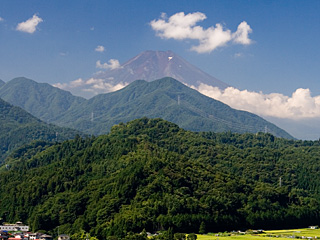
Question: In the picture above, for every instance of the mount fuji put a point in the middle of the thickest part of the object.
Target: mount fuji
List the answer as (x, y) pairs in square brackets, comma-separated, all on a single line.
[(152, 65)]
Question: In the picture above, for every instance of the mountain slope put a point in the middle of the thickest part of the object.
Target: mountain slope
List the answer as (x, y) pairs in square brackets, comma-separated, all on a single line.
[(40, 99), (151, 174), (152, 65), (166, 98), (17, 127), (2, 83)]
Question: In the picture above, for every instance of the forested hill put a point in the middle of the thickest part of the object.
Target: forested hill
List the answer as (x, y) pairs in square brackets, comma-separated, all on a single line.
[(2, 83), (168, 99), (151, 174), (40, 99), (17, 127), (165, 98)]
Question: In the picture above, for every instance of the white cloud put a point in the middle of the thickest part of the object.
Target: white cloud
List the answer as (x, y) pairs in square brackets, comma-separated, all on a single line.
[(63, 86), (112, 64), (213, 38), (100, 49), (163, 15), (238, 55), (90, 87), (29, 26), (77, 83), (297, 106), (180, 27), (241, 35), (101, 86), (1, 19)]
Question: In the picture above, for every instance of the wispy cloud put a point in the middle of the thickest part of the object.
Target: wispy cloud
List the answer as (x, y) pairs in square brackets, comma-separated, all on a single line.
[(100, 48), (238, 55), (63, 54), (297, 106), (29, 26), (181, 26), (90, 87), (1, 19), (112, 64)]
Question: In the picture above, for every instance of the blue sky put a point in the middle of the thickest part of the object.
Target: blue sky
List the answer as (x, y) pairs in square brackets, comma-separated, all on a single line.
[(283, 55)]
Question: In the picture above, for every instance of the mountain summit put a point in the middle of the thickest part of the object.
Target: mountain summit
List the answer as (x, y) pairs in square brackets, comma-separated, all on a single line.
[(40, 99), (152, 65)]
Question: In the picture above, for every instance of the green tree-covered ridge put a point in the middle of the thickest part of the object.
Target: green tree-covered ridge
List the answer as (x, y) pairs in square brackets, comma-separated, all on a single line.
[(40, 99), (150, 174), (165, 98), (17, 127)]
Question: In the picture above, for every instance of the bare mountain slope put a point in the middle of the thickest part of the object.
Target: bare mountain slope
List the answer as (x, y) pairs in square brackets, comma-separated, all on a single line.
[(152, 65)]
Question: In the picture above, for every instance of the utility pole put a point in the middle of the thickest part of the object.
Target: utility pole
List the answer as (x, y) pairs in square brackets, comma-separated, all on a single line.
[(280, 182)]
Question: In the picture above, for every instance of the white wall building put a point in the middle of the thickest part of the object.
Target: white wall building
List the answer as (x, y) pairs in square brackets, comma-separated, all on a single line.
[(18, 226)]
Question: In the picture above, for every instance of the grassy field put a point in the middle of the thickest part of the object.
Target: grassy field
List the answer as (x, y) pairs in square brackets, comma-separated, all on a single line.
[(268, 235), (303, 232), (237, 237)]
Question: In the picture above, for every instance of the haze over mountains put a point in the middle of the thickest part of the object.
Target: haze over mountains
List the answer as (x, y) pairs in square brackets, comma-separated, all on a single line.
[(165, 98)]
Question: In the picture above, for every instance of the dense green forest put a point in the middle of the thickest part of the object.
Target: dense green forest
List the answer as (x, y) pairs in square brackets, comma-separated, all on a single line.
[(17, 127), (150, 174)]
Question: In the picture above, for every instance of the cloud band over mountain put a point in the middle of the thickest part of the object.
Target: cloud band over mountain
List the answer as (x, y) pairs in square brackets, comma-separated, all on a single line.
[(90, 87), (297, 106)]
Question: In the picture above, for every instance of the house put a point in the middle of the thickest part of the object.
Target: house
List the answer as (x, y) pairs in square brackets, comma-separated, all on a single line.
[(313, 227), (18, 226), (45, 237), (34, 236), (63, 237), (20, 236)]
